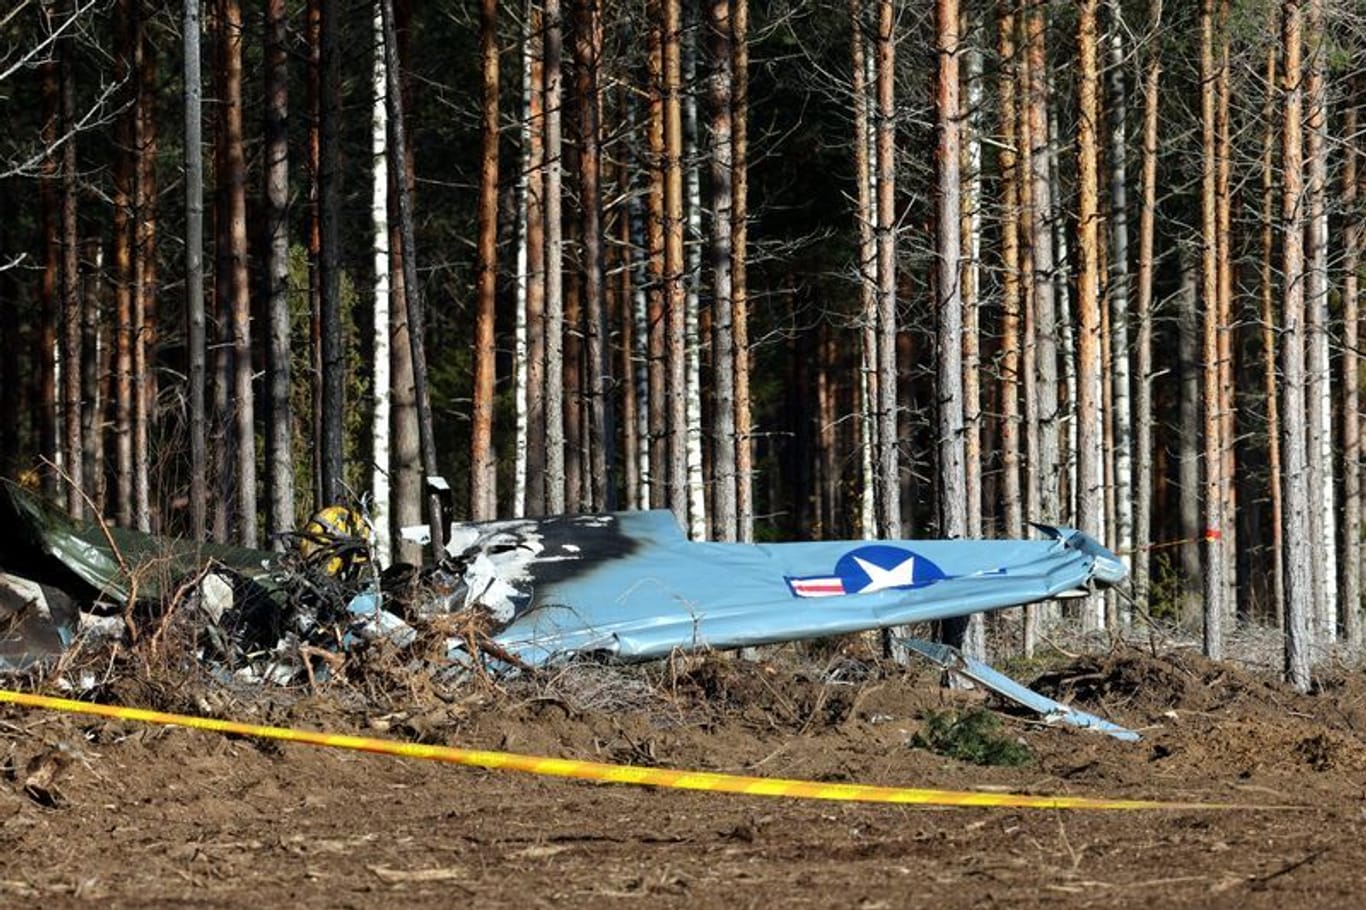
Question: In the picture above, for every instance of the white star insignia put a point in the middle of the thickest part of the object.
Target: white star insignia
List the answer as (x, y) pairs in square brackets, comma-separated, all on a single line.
[(900, 575)]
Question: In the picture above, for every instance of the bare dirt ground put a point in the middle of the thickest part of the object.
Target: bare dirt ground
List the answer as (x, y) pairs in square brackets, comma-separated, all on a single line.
[(122, 815)]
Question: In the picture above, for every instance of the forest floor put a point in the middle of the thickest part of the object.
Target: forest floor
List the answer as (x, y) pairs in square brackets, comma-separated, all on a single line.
[(122, 815)]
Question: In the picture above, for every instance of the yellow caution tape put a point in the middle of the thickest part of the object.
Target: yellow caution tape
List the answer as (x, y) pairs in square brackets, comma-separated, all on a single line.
[(599, 771)]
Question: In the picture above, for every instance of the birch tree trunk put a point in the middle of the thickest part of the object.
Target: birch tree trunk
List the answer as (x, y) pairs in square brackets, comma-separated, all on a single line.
[(864, 217), (698, 526), (1322, 508), (1299, 581), (382, 386), (483, 467), (1122, 412), (280, 437), (971, 270)]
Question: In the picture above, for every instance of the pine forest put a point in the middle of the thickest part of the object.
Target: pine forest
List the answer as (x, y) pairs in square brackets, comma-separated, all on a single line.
[(794, 270)]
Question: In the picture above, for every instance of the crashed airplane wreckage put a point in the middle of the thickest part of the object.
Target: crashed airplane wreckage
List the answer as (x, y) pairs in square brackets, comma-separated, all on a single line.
[(626, 586)]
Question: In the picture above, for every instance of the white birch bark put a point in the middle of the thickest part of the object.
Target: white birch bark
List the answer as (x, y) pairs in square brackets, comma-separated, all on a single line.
[(379, 220), (1122, 415), (692, 202), (520, 446)]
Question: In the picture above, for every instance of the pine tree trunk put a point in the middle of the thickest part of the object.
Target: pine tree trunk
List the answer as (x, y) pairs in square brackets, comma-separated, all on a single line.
[(194, 270), (1228, 412), (122, 255), (889, 474), (533, 132), (674, 265), (1143, 354), (1209, 293), (280, 438), (1299, 581), (1090, 453), (483, 468), (739, 266), (1011, 504), (1045, 461), (1354, 230), (554, 266), (69, 275), (601, 423), (1271, 387), (47, 394)]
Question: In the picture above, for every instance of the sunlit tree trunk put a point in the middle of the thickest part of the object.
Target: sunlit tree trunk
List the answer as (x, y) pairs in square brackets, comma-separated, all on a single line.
[(554, 264), (864, 217), (1323, 506), (1223, 197), (971, 273), (964, 632), (382, 385), (533, 136), (483, 468), (1209, 293), (1045, 462), (405, 446), (739, 268), (656, 316), (1299, 581), (698, 526), (1122, 413), (674, 264), (889, 473), (1011, 504), (1351, 381), (1090, 479)]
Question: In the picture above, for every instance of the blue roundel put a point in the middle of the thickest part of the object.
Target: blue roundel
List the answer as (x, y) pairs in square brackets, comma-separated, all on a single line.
[(880, 567)]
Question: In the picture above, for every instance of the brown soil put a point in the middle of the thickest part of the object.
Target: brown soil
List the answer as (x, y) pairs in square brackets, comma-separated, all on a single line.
[(121, 815)]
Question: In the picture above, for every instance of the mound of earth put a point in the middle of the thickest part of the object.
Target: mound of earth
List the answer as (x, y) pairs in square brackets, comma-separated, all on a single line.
[(133, 816)]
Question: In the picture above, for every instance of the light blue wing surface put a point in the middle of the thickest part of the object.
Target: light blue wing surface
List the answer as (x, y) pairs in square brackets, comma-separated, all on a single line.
[(631, 586)]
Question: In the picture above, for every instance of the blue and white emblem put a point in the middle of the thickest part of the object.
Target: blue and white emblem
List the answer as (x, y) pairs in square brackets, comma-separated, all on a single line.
[(875, 567)]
